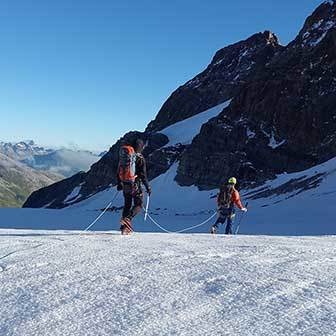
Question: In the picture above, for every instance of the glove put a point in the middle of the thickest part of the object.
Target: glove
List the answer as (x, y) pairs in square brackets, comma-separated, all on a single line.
[(119, 187), (244, 209), (149, 190)]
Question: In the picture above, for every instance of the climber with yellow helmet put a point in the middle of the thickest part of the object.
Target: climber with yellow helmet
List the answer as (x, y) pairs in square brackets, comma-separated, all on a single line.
[(227, 199)]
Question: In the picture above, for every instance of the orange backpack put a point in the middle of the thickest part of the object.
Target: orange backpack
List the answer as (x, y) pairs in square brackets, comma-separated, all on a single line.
[(127, 159)]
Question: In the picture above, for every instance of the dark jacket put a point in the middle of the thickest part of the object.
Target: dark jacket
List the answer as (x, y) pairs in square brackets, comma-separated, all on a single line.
[(141, 171)]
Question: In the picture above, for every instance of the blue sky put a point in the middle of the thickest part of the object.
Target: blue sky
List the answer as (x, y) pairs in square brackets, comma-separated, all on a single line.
[(85, 72)]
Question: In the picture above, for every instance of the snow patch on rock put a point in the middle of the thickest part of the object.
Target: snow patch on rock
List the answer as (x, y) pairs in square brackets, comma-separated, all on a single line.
[(317, 32), (183, 132), (273, 143), (74, 195), (250, 134)]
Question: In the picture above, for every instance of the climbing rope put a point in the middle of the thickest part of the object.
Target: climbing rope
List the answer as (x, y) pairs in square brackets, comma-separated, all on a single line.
[(151, 218), (102, 214), (180, 231)]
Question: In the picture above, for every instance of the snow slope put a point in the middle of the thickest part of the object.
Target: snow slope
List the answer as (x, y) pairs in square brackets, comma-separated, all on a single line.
[(60, 283), (281, 212), (184, 131)]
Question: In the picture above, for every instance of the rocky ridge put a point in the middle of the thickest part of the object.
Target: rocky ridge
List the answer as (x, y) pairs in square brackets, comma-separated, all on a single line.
[(281, 118)]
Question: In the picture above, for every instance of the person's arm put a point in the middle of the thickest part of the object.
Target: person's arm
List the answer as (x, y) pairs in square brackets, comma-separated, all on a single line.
[(236, 200), (142, 173)]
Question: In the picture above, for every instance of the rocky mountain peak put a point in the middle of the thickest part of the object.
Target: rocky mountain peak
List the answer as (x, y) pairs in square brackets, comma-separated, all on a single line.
[(318, 24), (220, 81), (245, 48), (280, 117)]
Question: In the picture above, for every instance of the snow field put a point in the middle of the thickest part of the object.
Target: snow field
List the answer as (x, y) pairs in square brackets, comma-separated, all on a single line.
[(183, 132), (60, 283)]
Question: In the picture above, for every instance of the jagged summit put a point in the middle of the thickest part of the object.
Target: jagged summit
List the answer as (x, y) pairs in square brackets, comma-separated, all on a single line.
[(220, 81), (282, 120), (258, 40), (318, 25), (329, 2)]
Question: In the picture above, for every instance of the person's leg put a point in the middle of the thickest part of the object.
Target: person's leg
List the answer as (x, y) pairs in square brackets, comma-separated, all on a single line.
[(138, 204), (128, 198), (230, 219), (125, 222), (125, 226), (220, 220)]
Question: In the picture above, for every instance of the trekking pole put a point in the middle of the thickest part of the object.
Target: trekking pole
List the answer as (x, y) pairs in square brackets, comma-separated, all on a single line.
[(241, 219), (147, 206)]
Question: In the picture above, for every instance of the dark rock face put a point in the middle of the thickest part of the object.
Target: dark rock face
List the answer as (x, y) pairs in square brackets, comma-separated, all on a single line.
[(283, 119), (220, 81), (103, 174), (282, 116), (52, 196), (162, 159)]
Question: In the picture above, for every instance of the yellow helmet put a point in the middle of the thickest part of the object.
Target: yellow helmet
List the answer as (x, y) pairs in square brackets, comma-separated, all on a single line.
[(232, 180)]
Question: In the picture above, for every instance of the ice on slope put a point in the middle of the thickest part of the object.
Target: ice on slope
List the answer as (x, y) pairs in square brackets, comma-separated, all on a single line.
[(57, 283), (184, 131)]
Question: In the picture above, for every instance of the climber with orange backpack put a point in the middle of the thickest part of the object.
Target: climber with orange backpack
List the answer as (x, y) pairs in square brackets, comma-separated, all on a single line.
[(227, 199), (132, 174)]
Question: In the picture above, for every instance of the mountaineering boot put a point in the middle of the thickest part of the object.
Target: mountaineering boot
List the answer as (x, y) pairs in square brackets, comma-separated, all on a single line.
[(126, 226), (213, 229)]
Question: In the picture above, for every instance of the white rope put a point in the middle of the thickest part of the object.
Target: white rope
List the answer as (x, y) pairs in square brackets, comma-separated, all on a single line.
[(158, 225), (102, 214), (201, 224), (97, 219), (184, 230)]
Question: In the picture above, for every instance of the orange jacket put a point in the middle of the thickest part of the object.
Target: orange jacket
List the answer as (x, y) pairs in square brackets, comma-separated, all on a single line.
[(235, 199)]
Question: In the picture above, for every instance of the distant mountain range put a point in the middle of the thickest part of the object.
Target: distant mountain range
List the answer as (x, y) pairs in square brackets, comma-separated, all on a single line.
[(18, 181), (64, 161), (26, 167)]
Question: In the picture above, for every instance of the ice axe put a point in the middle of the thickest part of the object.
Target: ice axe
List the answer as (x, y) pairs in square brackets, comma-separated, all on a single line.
[(241, 220)]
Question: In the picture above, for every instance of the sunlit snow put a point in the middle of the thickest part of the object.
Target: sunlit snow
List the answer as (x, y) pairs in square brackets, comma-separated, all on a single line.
[(184, 131), (66, 284)]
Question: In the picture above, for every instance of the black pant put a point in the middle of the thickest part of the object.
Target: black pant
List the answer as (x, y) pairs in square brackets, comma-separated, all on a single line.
[(133, 196), (226, 215)]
